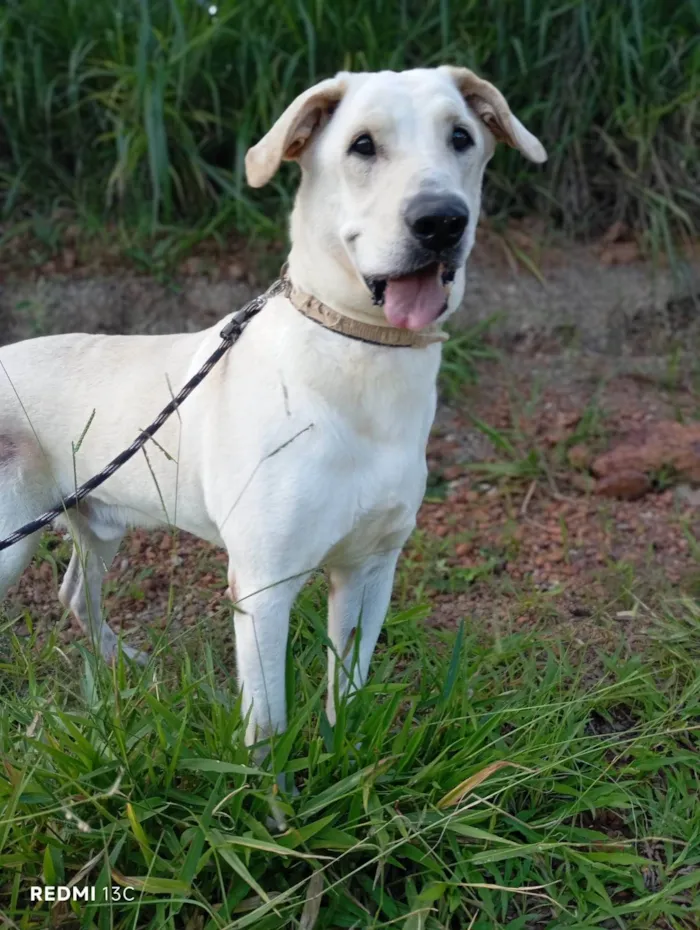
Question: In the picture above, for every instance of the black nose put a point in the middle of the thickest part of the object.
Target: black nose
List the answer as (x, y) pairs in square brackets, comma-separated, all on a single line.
[(438, 223)]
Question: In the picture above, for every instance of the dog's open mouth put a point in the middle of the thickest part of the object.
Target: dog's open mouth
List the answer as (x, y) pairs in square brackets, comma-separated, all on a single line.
[(413, 301)]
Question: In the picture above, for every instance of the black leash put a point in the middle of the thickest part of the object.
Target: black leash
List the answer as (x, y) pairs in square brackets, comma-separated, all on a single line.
[(229, 336)]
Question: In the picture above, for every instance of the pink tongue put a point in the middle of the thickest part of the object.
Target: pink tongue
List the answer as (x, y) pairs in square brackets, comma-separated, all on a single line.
[(414, 301)]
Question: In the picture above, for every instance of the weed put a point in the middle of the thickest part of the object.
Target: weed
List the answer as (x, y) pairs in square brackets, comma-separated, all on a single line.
[(460, 357), (470, 784), (142, 111)]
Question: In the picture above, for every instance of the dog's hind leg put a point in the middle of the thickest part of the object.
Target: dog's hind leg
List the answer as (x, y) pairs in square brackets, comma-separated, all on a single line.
[(14, 560), (81, 591), (24, 493)]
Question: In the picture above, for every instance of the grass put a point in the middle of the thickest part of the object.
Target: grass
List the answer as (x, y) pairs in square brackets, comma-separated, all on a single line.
[(471, 784), (461, 354), (521, 455), (138, 112)]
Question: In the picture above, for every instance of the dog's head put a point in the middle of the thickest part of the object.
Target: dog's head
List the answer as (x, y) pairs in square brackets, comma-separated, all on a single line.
[(392, 168)]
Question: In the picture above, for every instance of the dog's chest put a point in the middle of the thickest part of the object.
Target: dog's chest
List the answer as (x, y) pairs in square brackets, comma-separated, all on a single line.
[(379, 489), (358, 474)]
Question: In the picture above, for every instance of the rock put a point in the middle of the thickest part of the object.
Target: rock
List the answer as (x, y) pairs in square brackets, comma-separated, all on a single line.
[(567, 419), (474, 446), (661, 445), (687, 496), (620, 253), (555, 436), (192, 266), (452, 472), (627, 485), (580, 456), (619, 230), (584, 483), (236, 270)]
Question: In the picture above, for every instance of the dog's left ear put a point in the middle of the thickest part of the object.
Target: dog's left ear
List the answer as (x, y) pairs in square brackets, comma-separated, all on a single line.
[(292, 131), (491, 107)]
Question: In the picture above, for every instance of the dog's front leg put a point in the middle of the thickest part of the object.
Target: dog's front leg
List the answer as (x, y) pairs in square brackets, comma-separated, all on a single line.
[(261, 624), (357, 606)]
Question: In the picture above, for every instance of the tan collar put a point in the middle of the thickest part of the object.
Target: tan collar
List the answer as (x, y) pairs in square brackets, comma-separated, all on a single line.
[(354, 328)]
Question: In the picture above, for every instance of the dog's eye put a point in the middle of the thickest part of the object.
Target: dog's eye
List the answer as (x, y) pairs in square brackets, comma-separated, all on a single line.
[(461, 139), (364, 145)]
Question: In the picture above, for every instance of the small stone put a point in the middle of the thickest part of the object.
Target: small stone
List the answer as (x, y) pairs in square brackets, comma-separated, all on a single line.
[(620, 253), (625, 485), (584, 483), (580, 456), (192, 266), (618, 230), (555, 436), (567, 419), (687, 495), (236, 271)]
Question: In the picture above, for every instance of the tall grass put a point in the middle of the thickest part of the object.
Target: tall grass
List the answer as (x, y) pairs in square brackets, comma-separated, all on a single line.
[(467, 786), (144, 108)]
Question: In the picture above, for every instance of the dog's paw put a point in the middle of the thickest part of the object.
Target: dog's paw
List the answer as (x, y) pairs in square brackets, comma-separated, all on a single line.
[(281, 780), (277, 822), (110, 651), (136, 655)]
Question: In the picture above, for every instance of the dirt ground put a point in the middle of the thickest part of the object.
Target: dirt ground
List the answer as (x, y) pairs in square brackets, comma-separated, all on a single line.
[(547, 548), (514, 532)]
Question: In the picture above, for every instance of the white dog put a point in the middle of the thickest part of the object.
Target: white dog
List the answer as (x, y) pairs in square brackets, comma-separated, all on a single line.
[(305, 446)]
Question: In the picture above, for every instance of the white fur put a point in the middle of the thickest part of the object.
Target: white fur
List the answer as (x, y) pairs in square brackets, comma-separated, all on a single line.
[(302, 448)]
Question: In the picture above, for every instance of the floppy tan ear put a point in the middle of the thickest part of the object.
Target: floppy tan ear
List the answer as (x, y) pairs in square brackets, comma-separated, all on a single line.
[(491, 107), (290, 134)]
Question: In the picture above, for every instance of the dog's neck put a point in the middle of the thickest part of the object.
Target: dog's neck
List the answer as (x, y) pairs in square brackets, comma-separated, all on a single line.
[(331, 279), (354, 328), (333, 295)]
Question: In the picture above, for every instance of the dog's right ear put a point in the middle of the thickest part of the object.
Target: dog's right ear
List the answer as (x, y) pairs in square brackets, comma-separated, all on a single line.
[(291, 133)]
